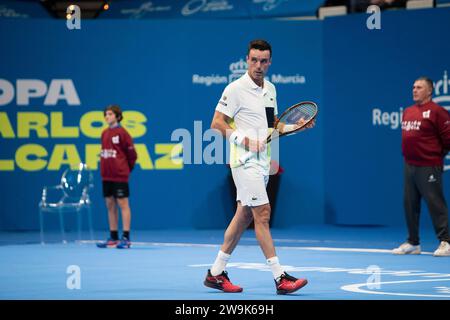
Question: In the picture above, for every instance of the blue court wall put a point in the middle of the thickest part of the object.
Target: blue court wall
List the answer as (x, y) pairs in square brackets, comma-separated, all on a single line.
[(168, 75), (368, 81)]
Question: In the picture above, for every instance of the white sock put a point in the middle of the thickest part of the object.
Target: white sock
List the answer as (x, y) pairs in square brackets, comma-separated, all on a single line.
[(220, 263), (275, 266)]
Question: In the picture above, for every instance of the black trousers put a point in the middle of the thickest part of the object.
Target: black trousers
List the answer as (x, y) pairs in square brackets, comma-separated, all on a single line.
[(425, 182)]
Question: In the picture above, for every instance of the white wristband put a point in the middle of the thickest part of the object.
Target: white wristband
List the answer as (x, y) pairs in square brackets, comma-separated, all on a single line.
[(237, 137)]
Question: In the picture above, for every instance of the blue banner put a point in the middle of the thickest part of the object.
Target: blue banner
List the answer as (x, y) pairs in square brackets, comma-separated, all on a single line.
[(168, 77), (369, 76), (55, 83)]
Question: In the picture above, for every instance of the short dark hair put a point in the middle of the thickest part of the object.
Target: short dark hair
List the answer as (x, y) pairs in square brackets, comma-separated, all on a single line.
[(117, 111), (259, 44), (428, 81)]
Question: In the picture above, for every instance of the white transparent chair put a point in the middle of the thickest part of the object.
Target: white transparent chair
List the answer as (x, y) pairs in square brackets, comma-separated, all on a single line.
[(72, 194)]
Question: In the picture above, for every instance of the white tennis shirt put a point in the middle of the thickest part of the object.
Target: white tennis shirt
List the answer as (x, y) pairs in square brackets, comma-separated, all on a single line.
[(246, 102)]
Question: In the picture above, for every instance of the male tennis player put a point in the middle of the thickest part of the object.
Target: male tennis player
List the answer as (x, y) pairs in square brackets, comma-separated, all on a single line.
[(246, 101), (425, 142), (118, 157)]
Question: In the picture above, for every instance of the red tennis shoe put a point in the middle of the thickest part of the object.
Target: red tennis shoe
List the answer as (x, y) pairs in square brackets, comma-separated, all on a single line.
[(221, 282), (288, 284)]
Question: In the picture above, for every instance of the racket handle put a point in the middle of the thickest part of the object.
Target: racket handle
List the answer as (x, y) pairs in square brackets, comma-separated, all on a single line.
[(243, 159)]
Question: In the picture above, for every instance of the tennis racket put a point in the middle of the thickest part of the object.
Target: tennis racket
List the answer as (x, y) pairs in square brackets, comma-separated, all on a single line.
[(291, 121)]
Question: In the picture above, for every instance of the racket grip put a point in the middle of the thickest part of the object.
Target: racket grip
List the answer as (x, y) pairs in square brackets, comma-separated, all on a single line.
[(243, 159)]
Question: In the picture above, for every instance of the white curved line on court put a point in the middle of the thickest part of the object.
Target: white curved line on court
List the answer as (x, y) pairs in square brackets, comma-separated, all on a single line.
[(356, 288)]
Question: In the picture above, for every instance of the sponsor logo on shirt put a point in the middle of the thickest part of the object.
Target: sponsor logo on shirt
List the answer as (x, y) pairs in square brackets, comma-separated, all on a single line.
[(108, 153), (115, 139), (411, 125), (426, 114)]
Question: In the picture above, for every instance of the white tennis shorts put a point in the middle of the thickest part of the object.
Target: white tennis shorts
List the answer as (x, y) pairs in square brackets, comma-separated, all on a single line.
[(251, 183)]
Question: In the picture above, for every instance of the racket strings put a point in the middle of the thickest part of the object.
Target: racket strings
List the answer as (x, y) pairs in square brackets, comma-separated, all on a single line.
[(291, 117), (305, 111)]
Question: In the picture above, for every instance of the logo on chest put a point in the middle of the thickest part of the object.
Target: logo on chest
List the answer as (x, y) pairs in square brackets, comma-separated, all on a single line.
[(426, 114), (115, 139), (411, 125)]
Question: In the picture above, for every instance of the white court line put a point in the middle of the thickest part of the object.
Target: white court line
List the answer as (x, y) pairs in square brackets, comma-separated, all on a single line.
[(356, 288), (291, 240), (349, 250), (205, 245)]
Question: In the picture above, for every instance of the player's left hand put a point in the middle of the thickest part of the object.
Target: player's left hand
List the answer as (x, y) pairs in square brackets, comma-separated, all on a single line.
[(310, 125)]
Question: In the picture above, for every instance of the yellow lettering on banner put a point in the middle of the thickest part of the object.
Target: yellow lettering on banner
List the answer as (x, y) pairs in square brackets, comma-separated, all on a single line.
[(87, 121), (57, 127), (143, 160), (6, 165), (169, 150), (64, 154), (6, 129), (93, 155), (27, 121), (25, 163), (134, 121)]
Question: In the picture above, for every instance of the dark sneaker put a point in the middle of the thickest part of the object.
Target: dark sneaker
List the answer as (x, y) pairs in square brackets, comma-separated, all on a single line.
[(221, 282), (124, 244), (110, 243), (288, 284)]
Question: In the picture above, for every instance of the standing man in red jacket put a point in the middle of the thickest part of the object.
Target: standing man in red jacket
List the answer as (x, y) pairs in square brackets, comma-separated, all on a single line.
[(425, 142), (117, 159)]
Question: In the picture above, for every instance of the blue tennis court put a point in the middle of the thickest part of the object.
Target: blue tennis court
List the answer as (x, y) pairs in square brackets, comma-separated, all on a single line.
[(339, 263), (132, 120)]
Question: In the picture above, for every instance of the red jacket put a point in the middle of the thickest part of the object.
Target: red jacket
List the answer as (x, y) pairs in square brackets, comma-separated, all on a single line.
[(425, 134), (118, 155)]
